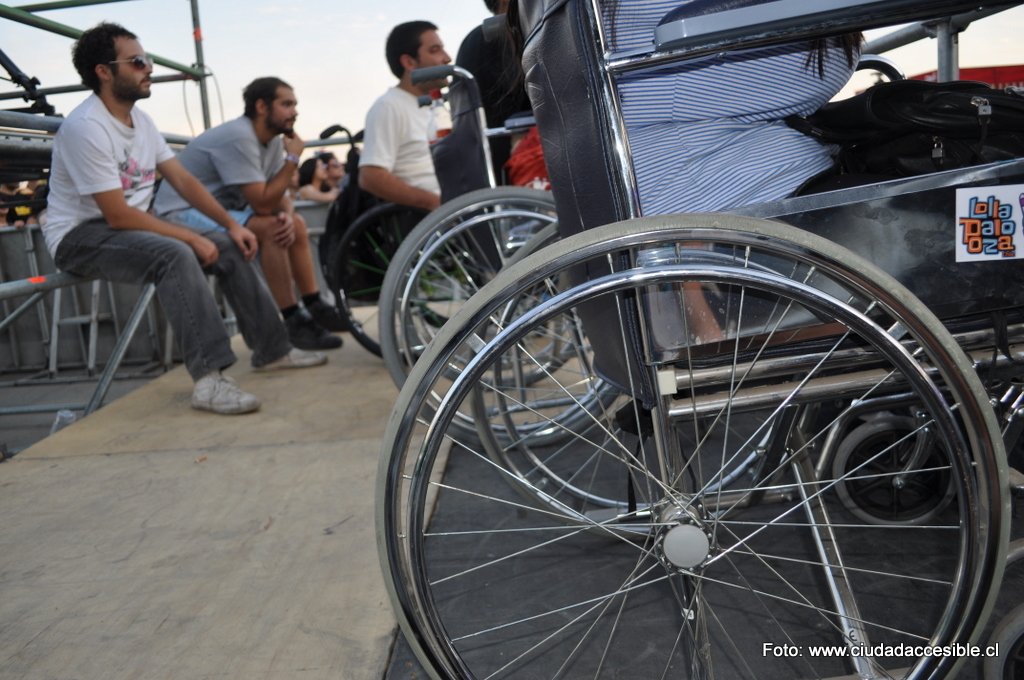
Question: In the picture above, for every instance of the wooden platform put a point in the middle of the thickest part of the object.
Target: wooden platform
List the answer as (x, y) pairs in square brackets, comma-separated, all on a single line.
[(150, 540)]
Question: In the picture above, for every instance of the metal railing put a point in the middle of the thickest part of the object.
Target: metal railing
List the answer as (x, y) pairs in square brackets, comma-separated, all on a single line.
[(35, 290), (24, 14)]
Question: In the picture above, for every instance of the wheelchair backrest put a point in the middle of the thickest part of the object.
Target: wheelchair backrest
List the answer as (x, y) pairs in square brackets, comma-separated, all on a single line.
[(459, 159), (351, 202)]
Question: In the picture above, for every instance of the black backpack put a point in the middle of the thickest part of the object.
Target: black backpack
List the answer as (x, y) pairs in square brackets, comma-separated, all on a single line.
[(913, 127)]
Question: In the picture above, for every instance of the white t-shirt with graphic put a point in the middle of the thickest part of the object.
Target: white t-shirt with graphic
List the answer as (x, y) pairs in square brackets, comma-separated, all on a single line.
[(94, 152)]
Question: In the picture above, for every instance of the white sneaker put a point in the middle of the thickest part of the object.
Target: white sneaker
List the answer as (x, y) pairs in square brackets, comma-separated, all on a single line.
[(296, 358), (220, 394)]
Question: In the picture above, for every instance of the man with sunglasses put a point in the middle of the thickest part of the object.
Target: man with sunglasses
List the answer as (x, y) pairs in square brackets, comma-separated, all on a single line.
[(105, 160), (247, 164)]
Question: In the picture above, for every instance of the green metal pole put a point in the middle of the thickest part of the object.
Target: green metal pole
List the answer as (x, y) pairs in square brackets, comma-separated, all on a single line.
[(197, 34), (23, 17), (63, 4)]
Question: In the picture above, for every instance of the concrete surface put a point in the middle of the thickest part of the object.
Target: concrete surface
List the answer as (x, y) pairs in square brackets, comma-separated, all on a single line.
[(153, 541)]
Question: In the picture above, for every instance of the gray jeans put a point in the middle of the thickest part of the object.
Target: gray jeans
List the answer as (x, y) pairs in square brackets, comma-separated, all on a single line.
[(94, 249)]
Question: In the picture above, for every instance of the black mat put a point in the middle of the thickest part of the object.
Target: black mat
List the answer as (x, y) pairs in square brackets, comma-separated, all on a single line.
[(747, 629)]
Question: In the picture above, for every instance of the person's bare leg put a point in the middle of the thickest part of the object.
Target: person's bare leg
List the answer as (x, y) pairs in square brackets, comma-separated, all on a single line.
[(274, 259), (276, 246), (701, 319), (300, 258)]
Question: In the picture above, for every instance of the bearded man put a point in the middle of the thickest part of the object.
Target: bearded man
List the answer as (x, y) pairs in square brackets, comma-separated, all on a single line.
[(247, 164), (106, 156)]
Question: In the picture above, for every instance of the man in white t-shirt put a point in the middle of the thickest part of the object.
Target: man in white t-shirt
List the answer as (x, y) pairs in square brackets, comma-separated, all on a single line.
[(395, 164), (105, 160)]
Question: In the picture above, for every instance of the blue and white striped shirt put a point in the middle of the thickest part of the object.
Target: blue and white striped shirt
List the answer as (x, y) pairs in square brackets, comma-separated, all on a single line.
[(708, 134)]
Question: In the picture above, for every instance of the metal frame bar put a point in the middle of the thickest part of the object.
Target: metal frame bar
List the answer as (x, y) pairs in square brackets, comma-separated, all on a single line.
[(24, 15), (36, 289)]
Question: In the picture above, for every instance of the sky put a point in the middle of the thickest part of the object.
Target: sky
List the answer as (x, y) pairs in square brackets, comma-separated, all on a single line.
[(331, 51)]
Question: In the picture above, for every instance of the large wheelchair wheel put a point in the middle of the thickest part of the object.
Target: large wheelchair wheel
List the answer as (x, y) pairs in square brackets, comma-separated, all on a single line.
[(360, 261), (626, 554), (447, 258)]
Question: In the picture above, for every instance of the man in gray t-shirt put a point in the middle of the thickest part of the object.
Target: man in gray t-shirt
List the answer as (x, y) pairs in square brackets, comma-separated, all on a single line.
[(225, 158), (247, 163)]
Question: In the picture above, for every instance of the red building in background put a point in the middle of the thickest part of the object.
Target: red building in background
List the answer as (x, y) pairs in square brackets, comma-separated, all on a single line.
[(998, 77)]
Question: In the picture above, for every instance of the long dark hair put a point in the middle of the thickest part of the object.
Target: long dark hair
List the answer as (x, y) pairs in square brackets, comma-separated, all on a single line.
[(307, 170), (850, 42)]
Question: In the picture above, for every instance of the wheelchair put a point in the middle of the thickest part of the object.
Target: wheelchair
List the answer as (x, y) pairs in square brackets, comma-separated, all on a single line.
[(479, 228), (368, 233), (764, 444), (447, 258), (361, 234)]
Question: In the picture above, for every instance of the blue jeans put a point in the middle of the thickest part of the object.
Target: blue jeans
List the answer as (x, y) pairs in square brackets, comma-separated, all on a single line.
[(94, 249), (197, 221)]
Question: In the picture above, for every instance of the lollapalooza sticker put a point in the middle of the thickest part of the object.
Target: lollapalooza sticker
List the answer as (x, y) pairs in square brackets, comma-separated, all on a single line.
[(988, 223)]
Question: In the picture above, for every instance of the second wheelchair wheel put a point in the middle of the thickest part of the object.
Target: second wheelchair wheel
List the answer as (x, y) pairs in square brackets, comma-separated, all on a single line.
[(449, 256), (1009, 636), (871, 464), (360, 261), (617, 548)]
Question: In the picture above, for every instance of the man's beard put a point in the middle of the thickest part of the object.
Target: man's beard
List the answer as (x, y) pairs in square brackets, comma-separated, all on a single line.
[(279, 127), (129, 92)]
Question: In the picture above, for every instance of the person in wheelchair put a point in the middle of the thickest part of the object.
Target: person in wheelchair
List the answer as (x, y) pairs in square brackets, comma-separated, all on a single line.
[(247, 164), (710, 134), (395, 164)]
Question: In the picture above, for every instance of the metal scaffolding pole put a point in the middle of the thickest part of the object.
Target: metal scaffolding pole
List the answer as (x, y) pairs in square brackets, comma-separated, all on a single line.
[(947, 37), (197, 34), (24, 17), (63, 4)]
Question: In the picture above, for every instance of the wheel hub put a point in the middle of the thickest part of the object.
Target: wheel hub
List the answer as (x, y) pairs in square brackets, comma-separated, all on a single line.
[(685, 542)]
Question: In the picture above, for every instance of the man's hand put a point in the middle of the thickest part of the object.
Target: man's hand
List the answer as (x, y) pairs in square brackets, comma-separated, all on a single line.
[(284, 234), (245, 240), (205, 250), (293, 144)]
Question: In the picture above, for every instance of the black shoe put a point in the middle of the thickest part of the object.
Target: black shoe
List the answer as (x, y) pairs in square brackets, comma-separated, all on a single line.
[(327, 316), (306, 334)]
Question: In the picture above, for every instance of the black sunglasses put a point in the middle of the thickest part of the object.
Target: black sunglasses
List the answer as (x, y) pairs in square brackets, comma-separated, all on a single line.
[(139, 63)]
